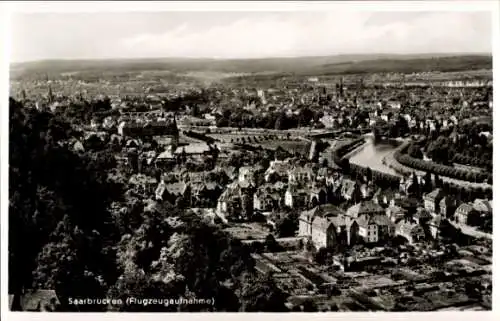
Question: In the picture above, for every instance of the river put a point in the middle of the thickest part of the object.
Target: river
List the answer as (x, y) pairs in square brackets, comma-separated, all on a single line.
[(371, 155)]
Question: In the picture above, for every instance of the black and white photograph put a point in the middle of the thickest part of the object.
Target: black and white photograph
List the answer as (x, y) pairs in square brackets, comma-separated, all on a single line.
[(295, 158)]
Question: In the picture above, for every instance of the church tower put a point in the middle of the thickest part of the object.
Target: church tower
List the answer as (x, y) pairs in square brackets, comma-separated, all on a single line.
[(50, 95)]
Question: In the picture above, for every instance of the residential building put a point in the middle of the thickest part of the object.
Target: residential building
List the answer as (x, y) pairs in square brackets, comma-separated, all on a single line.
[(410, 230), (422, 216), (318, 195), (237, 200), (277, 169), (266, 199), (434, 225), (431, 200), (396, 213), (365, 208), (371, 229), (482, 206), (324, 224), (447, 206), (300, 175), (297, 197), (351, 190), (466, 214)]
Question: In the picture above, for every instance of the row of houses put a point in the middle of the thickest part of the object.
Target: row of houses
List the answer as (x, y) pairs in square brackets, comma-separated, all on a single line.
[(469, 213), (364, 223), (369, 222)]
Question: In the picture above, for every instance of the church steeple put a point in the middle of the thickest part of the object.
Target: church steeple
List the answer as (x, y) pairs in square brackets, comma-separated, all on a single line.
[(51, 95)]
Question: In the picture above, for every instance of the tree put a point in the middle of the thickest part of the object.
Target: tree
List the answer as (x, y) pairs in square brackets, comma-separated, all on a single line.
[(415, 152), (439, 150), (427, 182), (280, 122), (321, 257), (473, 289), (287, 225), (179, 202), (369, 174), (261, 294), (271, 244), (49, 189), (437, 181), (345, 164), (139, 285), (309, 306), (415, 186)]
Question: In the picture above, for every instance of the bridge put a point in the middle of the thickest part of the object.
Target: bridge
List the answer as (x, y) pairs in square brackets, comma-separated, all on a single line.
[(138, 114), (356, 131)]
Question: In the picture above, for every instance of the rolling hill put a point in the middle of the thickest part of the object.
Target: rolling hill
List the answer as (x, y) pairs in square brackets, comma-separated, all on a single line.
[(326, 65)]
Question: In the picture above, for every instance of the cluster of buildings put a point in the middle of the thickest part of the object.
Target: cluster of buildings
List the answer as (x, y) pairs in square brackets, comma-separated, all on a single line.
[(164, 164), (339, 210)]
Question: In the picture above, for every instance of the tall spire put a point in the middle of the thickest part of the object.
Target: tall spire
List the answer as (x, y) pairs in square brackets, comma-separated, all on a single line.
[(51, 96)]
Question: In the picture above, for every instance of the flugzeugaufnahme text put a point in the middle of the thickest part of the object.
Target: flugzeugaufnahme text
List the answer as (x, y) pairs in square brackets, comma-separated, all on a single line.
[(141, 301)]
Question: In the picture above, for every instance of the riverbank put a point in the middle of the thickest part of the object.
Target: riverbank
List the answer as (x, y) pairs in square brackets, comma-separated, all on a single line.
[(391, 162), (383, 160), (372, 155)]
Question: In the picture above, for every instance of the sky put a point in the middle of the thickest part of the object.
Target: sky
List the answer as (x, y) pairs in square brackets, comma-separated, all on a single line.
[(38, 36)]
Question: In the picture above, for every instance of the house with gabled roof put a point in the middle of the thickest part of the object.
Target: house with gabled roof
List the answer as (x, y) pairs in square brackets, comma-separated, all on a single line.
[(371, 229), (410, 230), (482, 206), (297, 197), (266, 199), (396, 213), (236, 201), (466, 214), (384, 197), (306, 217), (431, 200), (300, 175), (324, 225), (278, 169), (365, 208), (326, 231)]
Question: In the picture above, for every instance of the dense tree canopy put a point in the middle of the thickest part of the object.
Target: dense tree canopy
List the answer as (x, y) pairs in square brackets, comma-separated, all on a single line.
[(87, 240), (60, 200)]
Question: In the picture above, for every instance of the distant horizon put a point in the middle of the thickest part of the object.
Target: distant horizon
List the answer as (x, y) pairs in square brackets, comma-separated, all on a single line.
[(427, 54)]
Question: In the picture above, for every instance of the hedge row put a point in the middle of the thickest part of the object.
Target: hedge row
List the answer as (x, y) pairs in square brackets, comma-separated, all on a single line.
[(258, 139), (473, 161), (379, 178), (382, 179), (402, 157)]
